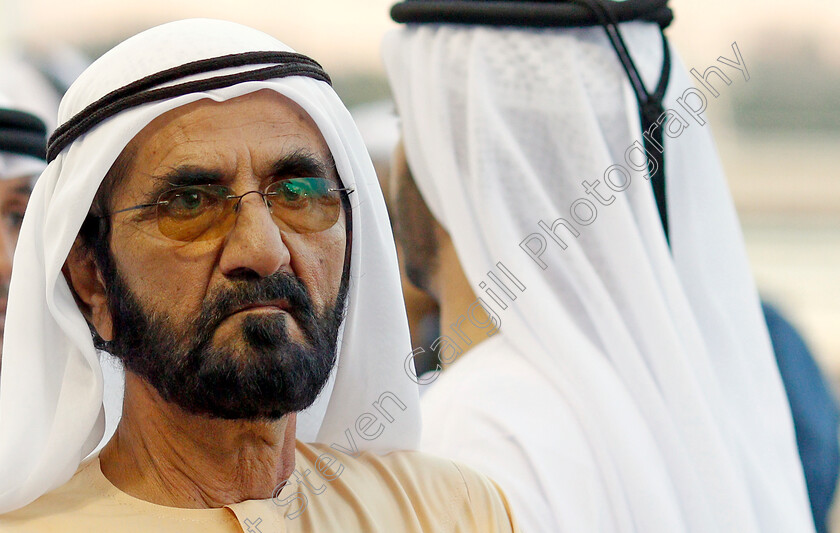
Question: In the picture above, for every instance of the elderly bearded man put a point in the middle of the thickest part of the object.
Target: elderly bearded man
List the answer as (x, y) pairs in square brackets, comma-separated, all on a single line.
[(216, 262)]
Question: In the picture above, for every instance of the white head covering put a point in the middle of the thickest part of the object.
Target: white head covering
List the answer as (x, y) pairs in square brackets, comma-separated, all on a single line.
[(23, 88), (51, 389), (665, 360)]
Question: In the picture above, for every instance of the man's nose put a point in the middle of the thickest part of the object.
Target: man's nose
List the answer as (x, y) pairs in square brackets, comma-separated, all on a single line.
[(254, 244)]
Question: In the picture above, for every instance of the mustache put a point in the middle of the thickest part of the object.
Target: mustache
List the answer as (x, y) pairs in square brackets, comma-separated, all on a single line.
[(278, 286)]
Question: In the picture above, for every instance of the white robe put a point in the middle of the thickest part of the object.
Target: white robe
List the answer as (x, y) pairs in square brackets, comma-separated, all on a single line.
[(493, 411)]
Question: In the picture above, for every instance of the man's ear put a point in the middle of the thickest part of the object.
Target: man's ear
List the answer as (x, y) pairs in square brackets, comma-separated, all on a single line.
[(88, 288)]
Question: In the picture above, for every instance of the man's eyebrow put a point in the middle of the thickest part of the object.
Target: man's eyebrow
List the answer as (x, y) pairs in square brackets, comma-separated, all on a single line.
[(300, 163), (189, 175)]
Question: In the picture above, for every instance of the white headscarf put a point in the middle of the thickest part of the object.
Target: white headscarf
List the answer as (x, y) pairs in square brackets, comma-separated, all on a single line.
[(51, 389), (23, 88), (664, 359)]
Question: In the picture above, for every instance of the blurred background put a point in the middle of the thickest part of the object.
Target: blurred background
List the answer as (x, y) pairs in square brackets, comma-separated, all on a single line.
[(777, 133)]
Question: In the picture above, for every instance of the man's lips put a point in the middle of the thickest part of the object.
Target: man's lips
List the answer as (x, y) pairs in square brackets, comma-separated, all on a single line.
[(274, 305)]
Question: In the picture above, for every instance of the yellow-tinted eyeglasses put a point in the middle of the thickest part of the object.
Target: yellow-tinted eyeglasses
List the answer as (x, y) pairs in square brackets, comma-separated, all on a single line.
[(205, 212)]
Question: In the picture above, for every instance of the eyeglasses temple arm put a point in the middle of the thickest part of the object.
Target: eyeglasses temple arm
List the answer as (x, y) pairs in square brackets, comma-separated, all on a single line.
[(141, 206)]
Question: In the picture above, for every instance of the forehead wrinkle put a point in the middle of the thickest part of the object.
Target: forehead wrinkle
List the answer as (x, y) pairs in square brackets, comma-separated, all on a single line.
[(178, 155), (185, 136), (271, 150), (185, 129), (289, 126)]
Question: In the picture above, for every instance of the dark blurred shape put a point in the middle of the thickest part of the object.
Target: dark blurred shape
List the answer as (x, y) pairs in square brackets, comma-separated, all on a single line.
[(22, 133), (815, 413)]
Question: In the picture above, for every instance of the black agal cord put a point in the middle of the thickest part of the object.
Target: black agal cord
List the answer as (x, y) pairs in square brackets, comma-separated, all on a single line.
[(565, 14), (534, 13), (147, 90), (650, 104), (22, 133)]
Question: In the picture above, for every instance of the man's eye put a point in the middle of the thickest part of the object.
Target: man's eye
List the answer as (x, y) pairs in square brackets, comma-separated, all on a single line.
[(188, 202), (292, 192)]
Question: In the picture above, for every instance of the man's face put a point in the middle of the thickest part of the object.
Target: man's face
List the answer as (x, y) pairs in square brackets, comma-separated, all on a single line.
[(243, 325), (14, 195), (414, 225)]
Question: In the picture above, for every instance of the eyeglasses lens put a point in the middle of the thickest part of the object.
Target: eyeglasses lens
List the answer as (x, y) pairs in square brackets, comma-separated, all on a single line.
[(205, 212)]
